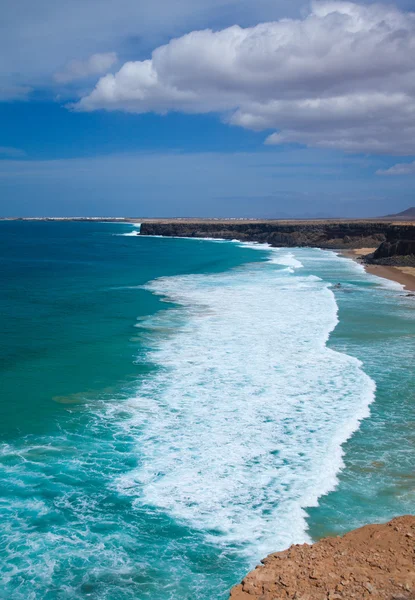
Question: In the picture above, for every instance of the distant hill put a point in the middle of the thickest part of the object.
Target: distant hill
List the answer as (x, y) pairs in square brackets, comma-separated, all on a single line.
[(408, 214)]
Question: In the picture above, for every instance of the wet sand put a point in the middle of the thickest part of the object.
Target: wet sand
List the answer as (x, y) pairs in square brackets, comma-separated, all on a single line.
[(403, 275)]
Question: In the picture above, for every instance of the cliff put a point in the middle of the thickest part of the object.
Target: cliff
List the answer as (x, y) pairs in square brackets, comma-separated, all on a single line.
[(393, 239), (376, 561), (395, 251)]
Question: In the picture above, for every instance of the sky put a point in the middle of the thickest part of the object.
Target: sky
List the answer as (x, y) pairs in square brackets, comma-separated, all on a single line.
[(207, 108)]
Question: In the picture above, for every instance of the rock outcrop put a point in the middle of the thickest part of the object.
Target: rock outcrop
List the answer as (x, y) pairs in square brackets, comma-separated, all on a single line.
[(376, 562), (396, 252), (397, 239)]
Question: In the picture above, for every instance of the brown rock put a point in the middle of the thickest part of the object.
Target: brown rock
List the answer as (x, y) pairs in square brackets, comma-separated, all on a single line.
[(376, 562)]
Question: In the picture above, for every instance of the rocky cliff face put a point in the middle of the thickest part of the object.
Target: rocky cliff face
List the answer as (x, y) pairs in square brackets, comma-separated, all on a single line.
[(376, 561), (358, 234), (397, 249)]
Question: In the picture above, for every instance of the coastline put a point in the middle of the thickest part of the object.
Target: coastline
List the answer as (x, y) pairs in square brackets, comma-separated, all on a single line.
[(403, 275), (398, 274), (374, 459)]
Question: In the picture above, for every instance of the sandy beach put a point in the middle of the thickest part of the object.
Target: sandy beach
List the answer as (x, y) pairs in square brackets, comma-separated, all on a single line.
[(403, 275)]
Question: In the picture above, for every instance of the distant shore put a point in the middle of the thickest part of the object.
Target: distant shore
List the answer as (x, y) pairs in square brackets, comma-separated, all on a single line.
[(223, 220), (335, 234), (403, 275)]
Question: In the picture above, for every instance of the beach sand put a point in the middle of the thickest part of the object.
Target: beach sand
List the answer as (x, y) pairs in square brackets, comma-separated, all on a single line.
[(403, 275)]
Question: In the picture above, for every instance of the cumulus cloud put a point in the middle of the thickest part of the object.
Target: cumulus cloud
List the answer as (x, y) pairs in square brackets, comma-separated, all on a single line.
[(37, 38), (400, 169), (79, 69), (341, 77)]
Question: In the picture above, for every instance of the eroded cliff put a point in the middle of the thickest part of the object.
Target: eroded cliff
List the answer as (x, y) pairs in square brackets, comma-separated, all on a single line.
[(391, 239)]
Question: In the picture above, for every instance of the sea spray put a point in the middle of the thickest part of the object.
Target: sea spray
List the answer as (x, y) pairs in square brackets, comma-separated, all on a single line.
[(243, 425)]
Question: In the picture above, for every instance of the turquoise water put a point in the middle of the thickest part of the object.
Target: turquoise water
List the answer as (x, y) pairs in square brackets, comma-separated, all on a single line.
[(172, 409)]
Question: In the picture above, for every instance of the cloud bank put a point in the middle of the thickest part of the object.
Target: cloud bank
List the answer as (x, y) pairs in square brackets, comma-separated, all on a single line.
[(37, 38), (342, 77), (400, 169)]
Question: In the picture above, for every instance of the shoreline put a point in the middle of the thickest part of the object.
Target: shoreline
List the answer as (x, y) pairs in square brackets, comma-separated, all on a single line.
[(396, 274), (405, 276), (402, 275)]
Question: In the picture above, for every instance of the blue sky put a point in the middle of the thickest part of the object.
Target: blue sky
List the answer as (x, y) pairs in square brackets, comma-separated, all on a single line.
[(206, 108)]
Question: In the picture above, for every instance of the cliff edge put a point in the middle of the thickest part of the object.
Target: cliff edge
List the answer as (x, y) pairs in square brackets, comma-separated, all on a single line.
[(395, 242), (376, 561)]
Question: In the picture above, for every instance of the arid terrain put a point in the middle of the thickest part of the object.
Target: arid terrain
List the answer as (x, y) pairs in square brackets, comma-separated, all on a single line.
[(375, 561)]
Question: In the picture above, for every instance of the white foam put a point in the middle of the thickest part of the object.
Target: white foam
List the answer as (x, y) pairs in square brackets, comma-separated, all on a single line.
[(385, 283), (281, 257), (278, 256), (255, 245), (242, 427), (184, 237), (134, 233)]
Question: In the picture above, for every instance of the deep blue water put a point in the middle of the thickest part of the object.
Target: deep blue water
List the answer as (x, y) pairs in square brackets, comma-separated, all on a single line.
[(171, 410)]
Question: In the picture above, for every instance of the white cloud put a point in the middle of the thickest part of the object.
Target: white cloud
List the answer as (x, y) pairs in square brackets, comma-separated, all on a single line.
[(37, 38), (399, 169), (342, 77), (79, 69)]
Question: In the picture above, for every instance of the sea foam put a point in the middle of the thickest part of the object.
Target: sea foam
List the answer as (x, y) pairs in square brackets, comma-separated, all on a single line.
[(241, 428)]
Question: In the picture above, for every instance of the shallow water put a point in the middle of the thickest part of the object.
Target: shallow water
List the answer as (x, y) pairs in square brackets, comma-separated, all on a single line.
[(173, 409)]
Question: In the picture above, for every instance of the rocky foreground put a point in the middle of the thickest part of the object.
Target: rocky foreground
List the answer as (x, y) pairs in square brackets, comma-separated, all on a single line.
[(376, 562)]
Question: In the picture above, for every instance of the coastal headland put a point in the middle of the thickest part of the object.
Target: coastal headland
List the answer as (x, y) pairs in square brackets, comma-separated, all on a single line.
[(375, 561), (394, 238), (386, 248), (385, 245)]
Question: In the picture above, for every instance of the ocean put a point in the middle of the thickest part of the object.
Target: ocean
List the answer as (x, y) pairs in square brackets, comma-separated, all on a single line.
[(172, 410)]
